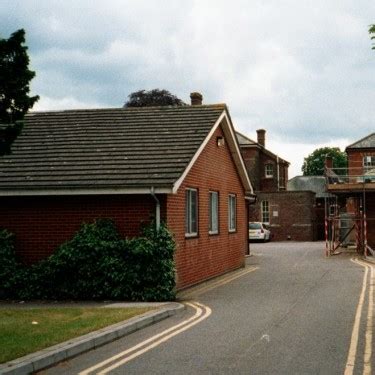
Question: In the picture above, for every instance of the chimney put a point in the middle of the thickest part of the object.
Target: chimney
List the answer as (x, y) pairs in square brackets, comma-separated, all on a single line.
[(328, 162), (196, 98), (261, 137)]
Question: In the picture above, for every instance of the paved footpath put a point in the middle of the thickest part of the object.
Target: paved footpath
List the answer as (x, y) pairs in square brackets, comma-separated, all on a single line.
[(290, 311)]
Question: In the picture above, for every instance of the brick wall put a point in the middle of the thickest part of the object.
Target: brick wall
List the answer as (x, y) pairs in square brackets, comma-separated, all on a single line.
[(255, 160), (355, 161), (41, 224), (250, 156), (267, 183), (292, 214), (209, 255)]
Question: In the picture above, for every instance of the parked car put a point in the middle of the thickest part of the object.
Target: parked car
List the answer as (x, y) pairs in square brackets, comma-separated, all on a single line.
[(259, 231)]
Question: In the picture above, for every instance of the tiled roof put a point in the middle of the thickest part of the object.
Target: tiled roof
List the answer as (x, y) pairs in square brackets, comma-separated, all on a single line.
[(243, 140), (106, 148), (366, 142), (317, 184)]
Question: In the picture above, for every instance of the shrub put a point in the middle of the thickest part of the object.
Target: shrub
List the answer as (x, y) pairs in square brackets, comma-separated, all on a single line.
[(8, 265), (97, 264)]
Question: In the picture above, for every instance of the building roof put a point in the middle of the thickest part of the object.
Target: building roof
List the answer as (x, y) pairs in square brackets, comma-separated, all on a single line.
[(113, 149), (317, 184), (366, 142), (247, 142), (243, 140)]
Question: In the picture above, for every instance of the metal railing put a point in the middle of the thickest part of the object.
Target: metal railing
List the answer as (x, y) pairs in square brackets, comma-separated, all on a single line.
[(350, 175)]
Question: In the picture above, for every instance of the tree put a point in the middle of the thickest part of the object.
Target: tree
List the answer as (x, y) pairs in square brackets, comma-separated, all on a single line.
[(313, 164), (150, 98), (372, 34), (15, 78)]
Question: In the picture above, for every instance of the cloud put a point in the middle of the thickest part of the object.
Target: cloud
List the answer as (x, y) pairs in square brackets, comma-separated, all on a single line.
[(50, 104), (303, 70)]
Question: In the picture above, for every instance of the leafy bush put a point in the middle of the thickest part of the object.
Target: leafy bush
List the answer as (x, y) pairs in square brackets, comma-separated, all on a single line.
[(8, 265), (95, 264)]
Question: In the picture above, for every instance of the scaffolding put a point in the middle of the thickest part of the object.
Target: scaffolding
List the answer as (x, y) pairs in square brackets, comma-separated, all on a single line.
[(347, 216)]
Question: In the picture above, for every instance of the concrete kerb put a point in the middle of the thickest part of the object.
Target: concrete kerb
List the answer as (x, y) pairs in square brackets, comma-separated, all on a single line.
[(69, 349)]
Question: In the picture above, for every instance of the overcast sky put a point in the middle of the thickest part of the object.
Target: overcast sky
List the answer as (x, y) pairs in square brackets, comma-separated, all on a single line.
[(303, 70)]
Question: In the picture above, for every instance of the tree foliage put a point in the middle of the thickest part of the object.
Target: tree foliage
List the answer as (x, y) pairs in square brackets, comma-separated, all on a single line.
[(372, 34), (313, 164), (151, 98), (15, 78)]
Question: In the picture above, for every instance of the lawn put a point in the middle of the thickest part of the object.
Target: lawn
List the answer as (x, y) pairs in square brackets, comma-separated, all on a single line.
[(23, 331)]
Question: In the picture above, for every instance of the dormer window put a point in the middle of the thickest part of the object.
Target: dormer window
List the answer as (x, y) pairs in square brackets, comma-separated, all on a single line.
[(269, 170)]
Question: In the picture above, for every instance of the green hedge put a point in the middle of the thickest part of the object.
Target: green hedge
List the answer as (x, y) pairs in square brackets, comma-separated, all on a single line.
[(95, 264)]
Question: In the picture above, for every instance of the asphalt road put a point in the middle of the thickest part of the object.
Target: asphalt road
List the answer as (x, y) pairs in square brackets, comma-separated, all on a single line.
[(292, 313)]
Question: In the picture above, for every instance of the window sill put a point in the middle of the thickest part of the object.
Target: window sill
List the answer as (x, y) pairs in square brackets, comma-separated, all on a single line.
[(232, 231), (213, 233), (191, 235)]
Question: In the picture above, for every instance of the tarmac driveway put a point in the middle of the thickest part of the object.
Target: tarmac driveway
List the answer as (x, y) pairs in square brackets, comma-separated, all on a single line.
[(291, 311)]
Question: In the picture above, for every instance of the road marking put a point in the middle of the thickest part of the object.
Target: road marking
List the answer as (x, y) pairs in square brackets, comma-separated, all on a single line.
[(369, 327), (153, 341), (350, 362), (213, 285)]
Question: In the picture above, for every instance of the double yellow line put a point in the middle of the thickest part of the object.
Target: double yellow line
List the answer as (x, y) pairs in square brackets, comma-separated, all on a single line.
[(222, 280), (201, 312), (350, 363)]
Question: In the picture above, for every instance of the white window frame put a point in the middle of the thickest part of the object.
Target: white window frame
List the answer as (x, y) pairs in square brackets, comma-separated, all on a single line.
[(265, 211), (368, 162), (268, 170), (213, 212), (191, 202), (232, 213)]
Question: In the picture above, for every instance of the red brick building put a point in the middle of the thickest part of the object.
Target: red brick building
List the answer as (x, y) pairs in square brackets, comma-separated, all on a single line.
[(361, 158), (268, 172), (290, 215), (355, 193), (316, 185), (181, 165)]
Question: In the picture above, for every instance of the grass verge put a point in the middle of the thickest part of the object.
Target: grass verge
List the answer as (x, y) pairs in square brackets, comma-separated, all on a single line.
[(24, 331)]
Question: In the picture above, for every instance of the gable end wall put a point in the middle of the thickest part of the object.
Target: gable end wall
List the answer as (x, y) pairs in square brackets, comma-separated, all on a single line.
[(206, 256)]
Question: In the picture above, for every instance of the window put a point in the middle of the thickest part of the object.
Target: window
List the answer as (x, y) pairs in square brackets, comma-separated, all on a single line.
[(265, 212), (191, 214), (269, 170), (368, 163), (231, 212), (214, 212)]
